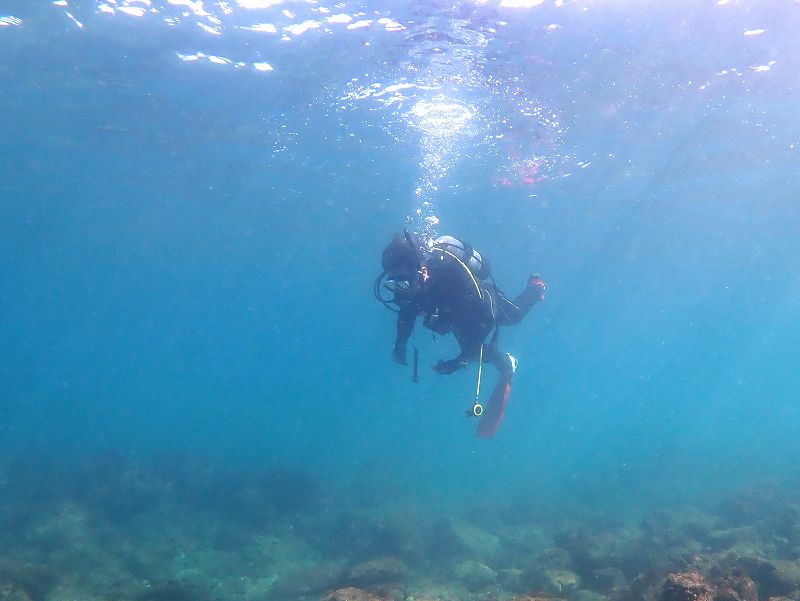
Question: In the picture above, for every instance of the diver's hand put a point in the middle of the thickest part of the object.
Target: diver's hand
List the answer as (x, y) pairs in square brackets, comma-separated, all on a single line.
[(536, 282), (399, 355), (447, 367)]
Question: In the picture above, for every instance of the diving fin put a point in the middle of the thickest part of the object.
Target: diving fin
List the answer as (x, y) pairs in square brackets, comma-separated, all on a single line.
[(495, 408)]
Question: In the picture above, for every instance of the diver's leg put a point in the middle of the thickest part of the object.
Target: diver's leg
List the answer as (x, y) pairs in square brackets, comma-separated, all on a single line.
[(505, 363)]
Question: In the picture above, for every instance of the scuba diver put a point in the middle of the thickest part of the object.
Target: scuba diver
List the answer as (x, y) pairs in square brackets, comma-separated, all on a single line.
[(450, 285)]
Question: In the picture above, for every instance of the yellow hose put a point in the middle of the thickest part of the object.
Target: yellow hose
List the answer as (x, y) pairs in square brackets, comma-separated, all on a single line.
[(476, 404)]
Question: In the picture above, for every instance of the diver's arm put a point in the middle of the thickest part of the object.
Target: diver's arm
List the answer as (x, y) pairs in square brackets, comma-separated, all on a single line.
[(472, 330), (470, 350), (405, 325)]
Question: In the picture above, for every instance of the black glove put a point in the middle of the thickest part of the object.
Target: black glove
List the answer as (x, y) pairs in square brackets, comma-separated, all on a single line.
[(399, 354), (536, 282), (447, 367)]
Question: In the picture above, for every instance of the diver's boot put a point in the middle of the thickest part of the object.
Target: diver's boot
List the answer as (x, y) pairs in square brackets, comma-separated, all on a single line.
[(510, 364)]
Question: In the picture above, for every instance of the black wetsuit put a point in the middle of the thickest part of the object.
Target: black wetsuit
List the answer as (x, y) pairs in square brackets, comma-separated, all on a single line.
[(449, 301)]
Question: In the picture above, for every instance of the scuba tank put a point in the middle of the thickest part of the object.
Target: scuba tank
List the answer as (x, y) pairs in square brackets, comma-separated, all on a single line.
[(479, 266)]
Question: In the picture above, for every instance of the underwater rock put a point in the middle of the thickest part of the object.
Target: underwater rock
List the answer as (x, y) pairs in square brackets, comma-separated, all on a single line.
[(695, 523), (22, 577), (464, 539), (588, 595), (474, 576), (116, 487), (775, 577), (62, 527), (747, 551), (307, 580), (789, 524), (730, 537), (9, 592), (512, 579), (382, 570), (257, 589), (608, 580), (559, 582), (552, 581), (554, 558), (524, 539), (749, 506), (435, 591), (689, 551), (353, 594), (253, 498), (667, 527), (359, 536), (736, 586), (591, 550), (256, 498), (787, 575), (647, 585), (174, 591), (686, 586)]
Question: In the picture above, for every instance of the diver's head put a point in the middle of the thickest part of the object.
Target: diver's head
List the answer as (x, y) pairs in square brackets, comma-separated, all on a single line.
[(401, 268), (400, 258)]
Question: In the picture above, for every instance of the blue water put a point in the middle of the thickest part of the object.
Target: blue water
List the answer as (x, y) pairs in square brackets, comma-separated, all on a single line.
[(188, 245)]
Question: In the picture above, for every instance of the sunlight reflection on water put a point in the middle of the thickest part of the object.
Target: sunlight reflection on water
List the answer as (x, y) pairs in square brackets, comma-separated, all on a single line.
[(428, 71)]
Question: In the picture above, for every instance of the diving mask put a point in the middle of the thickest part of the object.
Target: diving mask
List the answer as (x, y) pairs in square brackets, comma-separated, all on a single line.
[(397, 285)]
